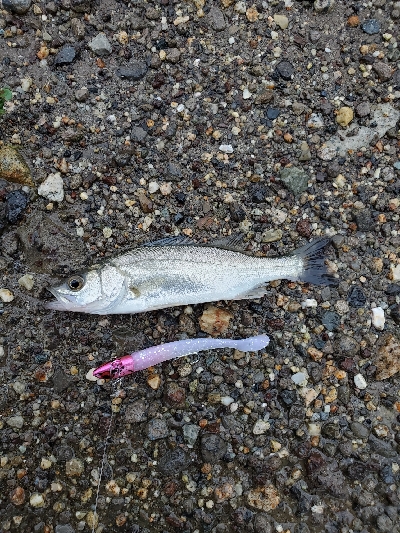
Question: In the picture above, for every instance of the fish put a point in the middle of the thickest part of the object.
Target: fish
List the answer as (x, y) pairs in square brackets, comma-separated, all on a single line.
[(171, 350), (175, 272)]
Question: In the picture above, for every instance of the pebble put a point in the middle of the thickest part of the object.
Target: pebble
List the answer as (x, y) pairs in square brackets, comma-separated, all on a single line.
[(74, 467), (216, 18), (215, 320), (17, 496), (294, 179), (190, 433), (323, 6), (173, 462), (282, 21), (65, 56), (371, 26), (26, 282), (13, 167), (388, 358), (6, 295), (213, 448), (285, 70), (272, 235), (81, 95), (261, 427), (363, 109), (316, 121), (15, 422), (331, 320), (136, 412), (344, 116), (394, 274), (16, 203), (246, 94), (138, 134), (300, 378), (36, 500), (135, 71), (359, 382), (19, 7), (52, 188), (264, 498), (309, 302), (273, 113), (226, 148), (157, 428), (383, 70), (100, 45), (378, 318), (356, 297)]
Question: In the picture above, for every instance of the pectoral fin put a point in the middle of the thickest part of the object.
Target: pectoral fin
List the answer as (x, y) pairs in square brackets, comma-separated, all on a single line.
[(256, 292)]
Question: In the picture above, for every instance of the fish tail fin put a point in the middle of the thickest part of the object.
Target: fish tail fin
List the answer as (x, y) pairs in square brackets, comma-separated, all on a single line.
[(314, 269)]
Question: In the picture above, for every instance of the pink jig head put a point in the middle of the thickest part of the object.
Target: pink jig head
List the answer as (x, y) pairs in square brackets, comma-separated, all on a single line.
[(164, 352)]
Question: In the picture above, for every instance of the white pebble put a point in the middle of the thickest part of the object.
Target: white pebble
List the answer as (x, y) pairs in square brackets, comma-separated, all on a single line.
[(300, 378), (165, 188), (52, 188), (310, 302), (359, 381), (6, 295), (314, 430), (227, 400), (36, 500), (378, 317), (26, 282), (90, 376), (231, 40), (107, 232), (395, 272), (226, 148), (153, 187), (261, 427), (246, 94)]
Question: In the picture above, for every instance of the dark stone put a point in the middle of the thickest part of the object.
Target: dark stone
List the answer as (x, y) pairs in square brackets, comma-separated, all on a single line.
[(258, 194), (392, 289), (19, 7), (17, 202), (61, 380), (136, 412), (331, 320), (237, 212), (395, 314), (346, 346), (213, 448), (216, 19), (356, 297), (273, 113), (364, 220), (174, 172), (288, 397), (363, 109), (173, 462), (264, 523), (134, 72), (383, 70), (285, 70), (138, 134), (65, 56), (371, 26), (157, 429), (360, 431), (303, 228)]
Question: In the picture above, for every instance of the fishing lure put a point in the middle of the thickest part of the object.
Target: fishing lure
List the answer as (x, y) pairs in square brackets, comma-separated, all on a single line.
[(164, 352)]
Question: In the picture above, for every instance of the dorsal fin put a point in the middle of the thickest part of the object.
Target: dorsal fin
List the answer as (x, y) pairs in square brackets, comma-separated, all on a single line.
[(233, 242)]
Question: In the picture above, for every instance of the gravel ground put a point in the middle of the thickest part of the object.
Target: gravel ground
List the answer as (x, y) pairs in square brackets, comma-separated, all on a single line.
[(132, 121)]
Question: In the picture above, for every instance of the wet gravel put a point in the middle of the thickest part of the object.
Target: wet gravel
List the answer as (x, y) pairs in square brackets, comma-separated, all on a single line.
[(142, 120)]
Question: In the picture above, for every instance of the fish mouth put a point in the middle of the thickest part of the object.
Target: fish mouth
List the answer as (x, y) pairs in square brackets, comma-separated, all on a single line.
[(62, 303)]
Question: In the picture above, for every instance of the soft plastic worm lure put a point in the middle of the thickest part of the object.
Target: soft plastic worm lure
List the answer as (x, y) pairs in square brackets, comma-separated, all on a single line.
[(164, 352)]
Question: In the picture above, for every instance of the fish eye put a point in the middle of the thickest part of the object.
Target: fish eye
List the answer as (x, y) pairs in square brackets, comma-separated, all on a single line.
[(75, 283)]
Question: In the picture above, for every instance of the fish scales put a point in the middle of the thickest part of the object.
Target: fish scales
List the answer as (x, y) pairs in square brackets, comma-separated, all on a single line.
[(159, 276)]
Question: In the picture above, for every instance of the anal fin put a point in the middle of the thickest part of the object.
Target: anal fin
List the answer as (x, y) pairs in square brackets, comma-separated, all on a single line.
[(253, 294)]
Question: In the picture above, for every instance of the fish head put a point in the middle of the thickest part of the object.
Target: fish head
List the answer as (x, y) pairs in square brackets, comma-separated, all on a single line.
[(96, 291)]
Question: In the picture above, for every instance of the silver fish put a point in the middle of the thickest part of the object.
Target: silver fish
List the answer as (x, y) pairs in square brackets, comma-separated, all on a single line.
[(175, 271)]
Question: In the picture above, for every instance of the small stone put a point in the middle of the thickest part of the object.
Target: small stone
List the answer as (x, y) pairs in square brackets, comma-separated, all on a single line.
[(378, 318), (74, 467), (383, 70), (19, 7), (173, 462), (81, 95), (305, 153), (213, 448), (282, 21), (388, 358), (303, 228), (65, 56), (226, 148), (316, 121), (77, 27), (138, 134), (6, 295), (157, 429), (52, 188), (13, 167), (272, 235), (363, 109), (344, 116), (300, 378), (246, 94), (356, 297), (17, 496), (216, 19), (190, 433), (215, 320), (16, 203), (359, 381), (294, 179), (353, 21), (342, 307), (135, 71), (261, 427), (15, 422), (100, 45), (154, 381), (252, 14), (331, 320), (264, 498), (45, 464), (394, 273), (107, 232), (285, 70), (371, 26), (323, 6), (26, 282), (273, 113), (36, 500)]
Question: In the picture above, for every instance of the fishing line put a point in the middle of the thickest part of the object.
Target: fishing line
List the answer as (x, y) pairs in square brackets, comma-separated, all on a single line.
[(116, 385)]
